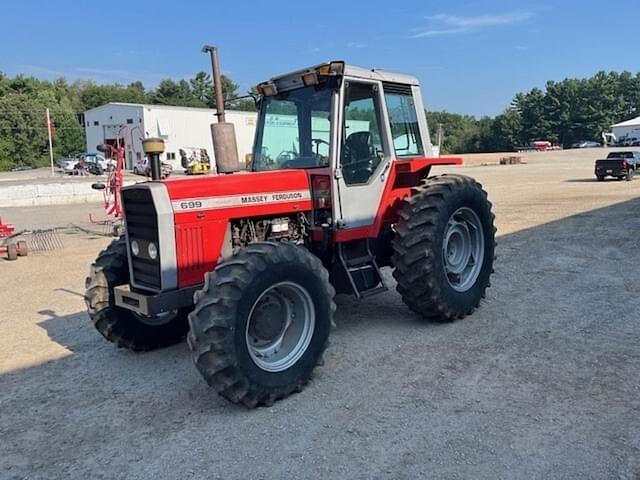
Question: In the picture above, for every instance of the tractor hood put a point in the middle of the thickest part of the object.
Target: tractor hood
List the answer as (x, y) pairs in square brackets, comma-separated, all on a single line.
[(228, 196)]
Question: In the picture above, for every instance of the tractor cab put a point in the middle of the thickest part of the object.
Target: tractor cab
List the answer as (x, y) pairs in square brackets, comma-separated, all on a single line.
[(351, 120)]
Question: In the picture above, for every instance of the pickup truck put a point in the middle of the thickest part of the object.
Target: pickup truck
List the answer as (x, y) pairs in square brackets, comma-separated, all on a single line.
[(619, 165), (143, 168)]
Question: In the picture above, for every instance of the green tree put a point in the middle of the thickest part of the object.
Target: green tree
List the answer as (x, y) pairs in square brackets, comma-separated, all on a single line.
[(23, 133)]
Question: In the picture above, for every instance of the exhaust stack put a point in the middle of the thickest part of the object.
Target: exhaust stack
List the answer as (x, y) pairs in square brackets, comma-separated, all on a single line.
[(225, 148)]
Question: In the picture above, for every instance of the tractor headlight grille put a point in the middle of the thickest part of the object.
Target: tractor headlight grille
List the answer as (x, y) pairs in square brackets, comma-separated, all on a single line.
[(141, 220)]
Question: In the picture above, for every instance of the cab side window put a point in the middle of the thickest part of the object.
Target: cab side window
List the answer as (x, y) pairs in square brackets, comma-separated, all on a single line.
[(404, 121), (362, 148)]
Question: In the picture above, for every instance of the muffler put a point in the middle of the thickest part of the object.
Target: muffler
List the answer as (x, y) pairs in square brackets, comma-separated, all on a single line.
[(225, 148)]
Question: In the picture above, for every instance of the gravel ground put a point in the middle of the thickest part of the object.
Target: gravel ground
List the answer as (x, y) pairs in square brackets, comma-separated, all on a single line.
[(541, 382)]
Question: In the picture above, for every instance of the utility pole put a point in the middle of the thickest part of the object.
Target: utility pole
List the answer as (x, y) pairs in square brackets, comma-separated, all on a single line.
[(50, 143)]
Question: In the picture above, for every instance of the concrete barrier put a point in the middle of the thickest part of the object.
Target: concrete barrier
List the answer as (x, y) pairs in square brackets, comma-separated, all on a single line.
[(49, 194)]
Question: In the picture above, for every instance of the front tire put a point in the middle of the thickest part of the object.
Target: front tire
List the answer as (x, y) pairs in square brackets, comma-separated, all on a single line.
[(118, 325), (629, 175), (261, 323), (444, 247)]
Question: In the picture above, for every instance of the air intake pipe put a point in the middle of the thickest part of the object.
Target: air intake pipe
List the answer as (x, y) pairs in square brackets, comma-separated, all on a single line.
[(153, 147)]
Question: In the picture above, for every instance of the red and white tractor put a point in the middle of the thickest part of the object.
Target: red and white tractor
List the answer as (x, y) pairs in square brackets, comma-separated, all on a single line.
[(247, 264)]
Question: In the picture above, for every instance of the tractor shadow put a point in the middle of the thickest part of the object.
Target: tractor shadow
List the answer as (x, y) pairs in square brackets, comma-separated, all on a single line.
[(582, 180)]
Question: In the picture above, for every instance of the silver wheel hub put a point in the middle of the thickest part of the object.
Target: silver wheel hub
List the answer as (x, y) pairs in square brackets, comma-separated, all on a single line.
[(463, 249), (280, 326)]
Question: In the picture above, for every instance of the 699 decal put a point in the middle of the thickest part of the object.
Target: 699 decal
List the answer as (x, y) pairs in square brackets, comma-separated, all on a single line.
[(190, 205)]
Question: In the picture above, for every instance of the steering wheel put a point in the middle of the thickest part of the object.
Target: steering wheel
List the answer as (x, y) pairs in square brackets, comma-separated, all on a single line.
[(285, 157), (318, 142)]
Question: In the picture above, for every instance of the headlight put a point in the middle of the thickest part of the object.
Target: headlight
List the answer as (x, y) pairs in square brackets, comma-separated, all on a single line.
[(135, 248), (152, 250)]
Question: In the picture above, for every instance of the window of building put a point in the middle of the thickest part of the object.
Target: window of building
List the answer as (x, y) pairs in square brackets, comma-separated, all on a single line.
[(96, 123), (129, 121), (171, 155), (138, 156)]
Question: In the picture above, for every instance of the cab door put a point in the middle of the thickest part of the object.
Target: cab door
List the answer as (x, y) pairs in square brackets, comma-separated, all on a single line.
[(364, 152)]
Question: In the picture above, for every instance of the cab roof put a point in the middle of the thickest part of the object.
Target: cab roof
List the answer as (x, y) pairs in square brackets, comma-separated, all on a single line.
[(358, 72)]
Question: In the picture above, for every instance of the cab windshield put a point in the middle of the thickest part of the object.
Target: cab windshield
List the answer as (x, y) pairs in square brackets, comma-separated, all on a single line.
[(294, 129)]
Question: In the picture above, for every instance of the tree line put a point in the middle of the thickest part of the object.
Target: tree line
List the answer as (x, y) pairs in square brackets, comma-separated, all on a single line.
[(564, 112), (24, 100)]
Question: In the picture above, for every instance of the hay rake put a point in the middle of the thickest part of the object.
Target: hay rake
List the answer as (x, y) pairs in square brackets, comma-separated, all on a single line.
[(39, 241), (19, 244)]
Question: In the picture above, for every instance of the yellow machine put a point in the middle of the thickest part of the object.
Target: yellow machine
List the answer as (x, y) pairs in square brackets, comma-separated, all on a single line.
[(195, 161)]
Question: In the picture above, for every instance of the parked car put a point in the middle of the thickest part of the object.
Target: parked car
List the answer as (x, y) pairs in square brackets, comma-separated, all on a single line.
[(618, 165), (69, 165), (142, 168), (629, 141), (92, 164), (21, 168), (586, 144), (62, 161)]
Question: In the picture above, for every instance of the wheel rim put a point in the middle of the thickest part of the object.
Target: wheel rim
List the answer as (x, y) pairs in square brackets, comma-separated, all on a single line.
[(463, 249), (281, 324)]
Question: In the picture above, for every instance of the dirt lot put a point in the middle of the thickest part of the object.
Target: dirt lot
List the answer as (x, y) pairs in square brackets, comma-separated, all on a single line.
[(542, 382)]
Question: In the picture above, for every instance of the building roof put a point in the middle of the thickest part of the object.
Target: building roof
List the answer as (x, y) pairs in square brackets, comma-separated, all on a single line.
[(163, 107), (634, 122)]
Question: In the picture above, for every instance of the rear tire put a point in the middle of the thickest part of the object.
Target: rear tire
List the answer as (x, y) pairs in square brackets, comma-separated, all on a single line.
[(629, 175), (444, 247), (22, 248), (118, 325), (261, 323)]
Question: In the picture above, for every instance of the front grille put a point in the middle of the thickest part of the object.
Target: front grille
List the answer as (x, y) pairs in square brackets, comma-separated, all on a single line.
[(142, 225), (191, 252)]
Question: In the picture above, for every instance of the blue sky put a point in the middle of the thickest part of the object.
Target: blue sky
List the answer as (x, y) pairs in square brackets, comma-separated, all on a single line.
[(471, 57)]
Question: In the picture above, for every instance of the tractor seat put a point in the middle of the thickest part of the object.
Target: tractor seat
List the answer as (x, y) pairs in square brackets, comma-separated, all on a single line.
[(357, 161), (357, 147)]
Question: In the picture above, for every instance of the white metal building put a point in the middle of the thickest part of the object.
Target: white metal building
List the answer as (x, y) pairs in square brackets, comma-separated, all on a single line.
[(628, 129), (180, 127)]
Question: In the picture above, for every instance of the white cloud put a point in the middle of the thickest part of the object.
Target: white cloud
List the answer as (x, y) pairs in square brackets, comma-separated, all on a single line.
[(356, 45), (437, 33), (445, 24)]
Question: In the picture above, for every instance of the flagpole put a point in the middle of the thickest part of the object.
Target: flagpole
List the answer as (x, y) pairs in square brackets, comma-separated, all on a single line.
[(50, 143)]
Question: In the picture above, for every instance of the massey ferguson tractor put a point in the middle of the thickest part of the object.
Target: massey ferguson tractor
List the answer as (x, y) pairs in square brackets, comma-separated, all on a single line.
[(246, 264)]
